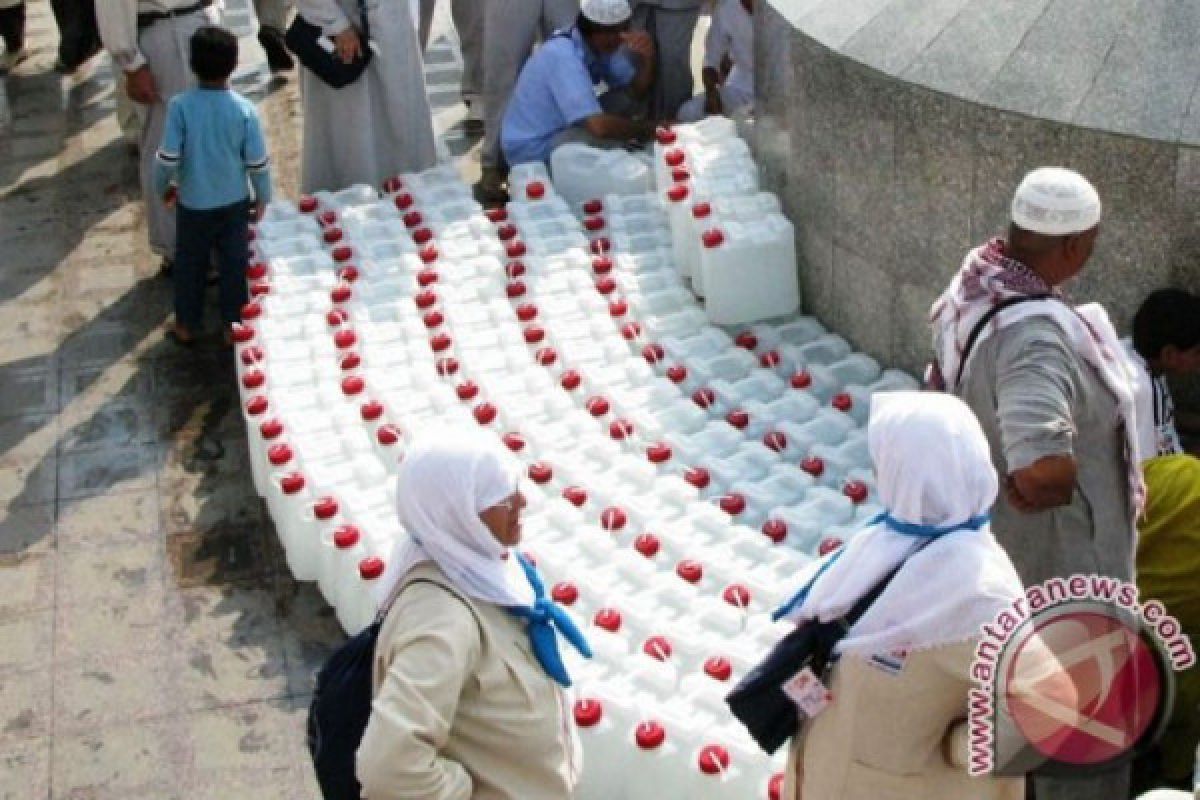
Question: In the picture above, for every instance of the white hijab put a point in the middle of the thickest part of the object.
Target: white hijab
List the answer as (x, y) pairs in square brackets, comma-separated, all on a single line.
[(933, 469), (447, 477)]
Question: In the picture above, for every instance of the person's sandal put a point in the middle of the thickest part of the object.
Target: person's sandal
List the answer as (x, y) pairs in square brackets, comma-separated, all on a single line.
[(174, 337)]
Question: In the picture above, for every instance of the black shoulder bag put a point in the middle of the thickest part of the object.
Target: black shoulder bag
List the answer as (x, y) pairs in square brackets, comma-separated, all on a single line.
[(309, 44), (759, 701)]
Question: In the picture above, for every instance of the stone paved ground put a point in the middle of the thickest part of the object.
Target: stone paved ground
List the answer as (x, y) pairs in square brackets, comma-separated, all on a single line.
[(151, 642)]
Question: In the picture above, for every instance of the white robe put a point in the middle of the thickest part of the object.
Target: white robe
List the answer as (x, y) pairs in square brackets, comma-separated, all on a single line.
[(381, 124)]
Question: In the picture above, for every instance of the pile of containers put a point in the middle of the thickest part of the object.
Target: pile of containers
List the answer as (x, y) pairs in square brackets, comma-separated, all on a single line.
[(679, 474)]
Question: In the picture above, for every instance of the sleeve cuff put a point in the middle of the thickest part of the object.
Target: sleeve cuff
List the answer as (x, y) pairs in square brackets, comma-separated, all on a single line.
[(131, 62), (1025, 453)]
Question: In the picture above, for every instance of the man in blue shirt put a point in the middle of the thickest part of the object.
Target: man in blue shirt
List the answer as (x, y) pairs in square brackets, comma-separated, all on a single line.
[(555, 97)]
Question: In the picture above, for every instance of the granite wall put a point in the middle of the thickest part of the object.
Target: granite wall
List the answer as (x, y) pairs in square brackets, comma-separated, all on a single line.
[(890, 181)]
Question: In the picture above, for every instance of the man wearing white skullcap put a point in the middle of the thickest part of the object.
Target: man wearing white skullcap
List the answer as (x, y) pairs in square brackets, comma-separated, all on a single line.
[(555, 99), (1047, 382)]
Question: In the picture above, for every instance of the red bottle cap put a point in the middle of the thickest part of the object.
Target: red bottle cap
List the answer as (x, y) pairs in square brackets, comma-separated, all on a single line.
[(658, 648), (440, 342), (515, 289), (427, 277), (332, 235), (527, 312), (713, 759), (674, 157), (593, 224), (413, 219), (597, 406), (387, 435), (422, 236), (747, 340), (701, 210), (828, 545), (647, 544), (279, 454), (485, 413), (253, 354), (698, 477), (718, 668), (256, 405), (738, 418), (370, 568), (516, 249), (291, 483), (620, 429), (775, 530), (733, 504), (345, 339), (678, 193), (352, 385), (631, 331), (428, 254), (506, 232), (546, 356), (540, 472), (659, 453), (613, 518), (609, 619), (588, 712), (855, 490), (253, 379), (433, 319), (270, 429), (618, 308), (467, 390), (343, 254), (251, 311), (336, 317), (325, 508), (801, 380), (842, 401), (340, 293), (602, 265), (650, 735), (242, 333), (565, 592), (665, 135), (677, 373), (775, 440), (769, 359), (534, 334), (690, 570), (348, 273), (497, 214), (593, 206), (346, 536), (570, 380), (425, 299), (514, 441), (576, 495), (704, 397), (307, 203), (653, 353), (535, 190), (403, 201), (447, 366), (813, 466), (736, 595), (606, 285)]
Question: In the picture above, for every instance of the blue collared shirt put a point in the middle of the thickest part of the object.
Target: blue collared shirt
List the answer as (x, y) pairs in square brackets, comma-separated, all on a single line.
[(557, 89)]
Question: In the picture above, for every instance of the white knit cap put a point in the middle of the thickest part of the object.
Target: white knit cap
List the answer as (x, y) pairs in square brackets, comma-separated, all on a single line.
[(1056, 202), (606, 12)]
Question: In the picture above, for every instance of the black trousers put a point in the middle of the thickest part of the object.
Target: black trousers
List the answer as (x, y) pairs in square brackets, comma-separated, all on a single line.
[(78, 35), (200, 233), (12, 27)]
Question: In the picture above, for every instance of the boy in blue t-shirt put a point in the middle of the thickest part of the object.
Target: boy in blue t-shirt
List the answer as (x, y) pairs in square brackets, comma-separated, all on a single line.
[(212, 154)]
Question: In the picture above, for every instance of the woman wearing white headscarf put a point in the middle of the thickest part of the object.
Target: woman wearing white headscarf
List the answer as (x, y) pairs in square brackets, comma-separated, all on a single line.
[(468, 677), (900, 687)]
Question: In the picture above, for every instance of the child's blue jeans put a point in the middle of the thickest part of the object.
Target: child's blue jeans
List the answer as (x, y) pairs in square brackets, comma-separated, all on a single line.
[(201, 234)]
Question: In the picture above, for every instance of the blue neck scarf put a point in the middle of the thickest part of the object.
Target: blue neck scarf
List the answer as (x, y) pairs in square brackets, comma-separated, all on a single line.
[(546, 619), (914, 529)]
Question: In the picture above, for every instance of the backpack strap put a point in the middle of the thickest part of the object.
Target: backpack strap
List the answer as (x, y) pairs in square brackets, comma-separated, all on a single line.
[(988, 316)]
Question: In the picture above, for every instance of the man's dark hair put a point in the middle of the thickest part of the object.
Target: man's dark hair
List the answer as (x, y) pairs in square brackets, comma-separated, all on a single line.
[(1166, 317), (587, 26), (214, 54)]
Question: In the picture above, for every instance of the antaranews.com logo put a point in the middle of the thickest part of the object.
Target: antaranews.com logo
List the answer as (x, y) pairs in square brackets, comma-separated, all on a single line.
[(1075, 675)]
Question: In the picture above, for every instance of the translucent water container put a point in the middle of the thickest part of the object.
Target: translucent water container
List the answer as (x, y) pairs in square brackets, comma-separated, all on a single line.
[(357, 606), (582, 173), (749, 271)]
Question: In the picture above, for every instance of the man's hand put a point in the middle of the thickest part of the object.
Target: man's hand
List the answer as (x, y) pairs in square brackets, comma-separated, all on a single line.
[(640, 43), (1047, 483), (171, 196), (348, 45), (140, 86)]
